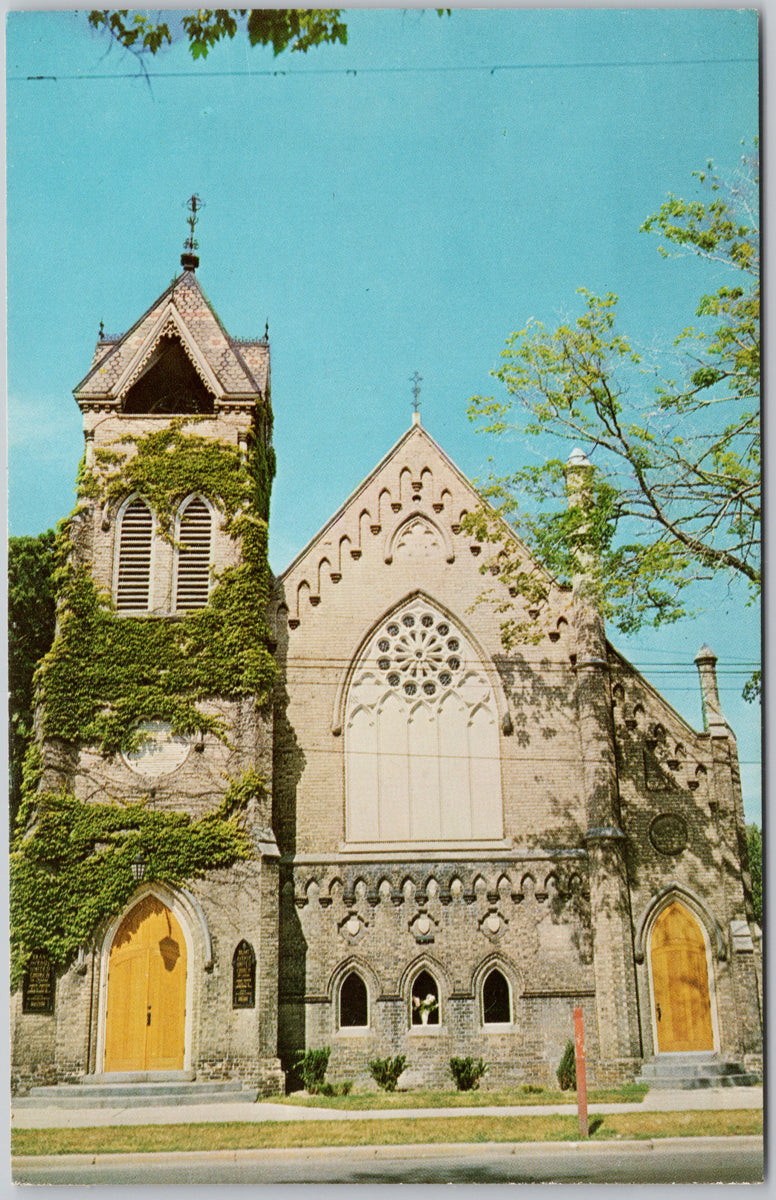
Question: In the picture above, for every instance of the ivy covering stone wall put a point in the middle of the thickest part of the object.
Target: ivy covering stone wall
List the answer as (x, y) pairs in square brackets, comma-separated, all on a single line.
[(105, 674)]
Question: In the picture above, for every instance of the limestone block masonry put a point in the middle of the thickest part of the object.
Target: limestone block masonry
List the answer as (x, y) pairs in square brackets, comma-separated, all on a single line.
[(455, 847)]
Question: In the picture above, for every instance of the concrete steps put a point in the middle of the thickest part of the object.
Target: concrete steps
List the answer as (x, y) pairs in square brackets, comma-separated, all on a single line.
[(685, 1071), (137, 1090)]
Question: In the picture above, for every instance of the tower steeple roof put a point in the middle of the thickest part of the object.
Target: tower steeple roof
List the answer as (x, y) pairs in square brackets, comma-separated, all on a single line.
[(229, 369)]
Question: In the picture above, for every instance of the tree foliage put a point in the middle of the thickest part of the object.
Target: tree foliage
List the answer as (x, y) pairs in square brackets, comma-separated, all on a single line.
[(295, 29), (673, 495), (754, 843), (31, 619), (281, 28)]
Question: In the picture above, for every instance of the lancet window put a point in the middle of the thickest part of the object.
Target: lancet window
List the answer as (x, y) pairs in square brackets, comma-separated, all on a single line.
[(421, 735), (133, 575)]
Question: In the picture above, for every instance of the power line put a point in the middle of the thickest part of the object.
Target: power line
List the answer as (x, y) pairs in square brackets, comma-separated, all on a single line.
[(491, 69), (518, 759)]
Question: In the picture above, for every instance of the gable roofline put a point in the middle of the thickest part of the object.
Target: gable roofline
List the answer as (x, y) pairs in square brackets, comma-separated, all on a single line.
[(622, 661), (134, 367), (168, 296), (419, 431)]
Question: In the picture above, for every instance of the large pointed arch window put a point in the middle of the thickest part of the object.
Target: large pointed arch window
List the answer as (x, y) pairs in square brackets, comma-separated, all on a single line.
[(421, 735), (133, 574), (192, 581)]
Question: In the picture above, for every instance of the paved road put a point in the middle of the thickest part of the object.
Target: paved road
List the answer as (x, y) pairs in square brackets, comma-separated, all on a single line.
[(670, 1160)]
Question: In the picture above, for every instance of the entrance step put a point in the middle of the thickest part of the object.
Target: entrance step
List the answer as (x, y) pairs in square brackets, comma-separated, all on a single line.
[(695, 1071), (137, 1090)]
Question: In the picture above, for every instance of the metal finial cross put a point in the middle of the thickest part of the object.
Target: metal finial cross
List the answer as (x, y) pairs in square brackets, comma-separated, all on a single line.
[(193, 204), (416, 381)]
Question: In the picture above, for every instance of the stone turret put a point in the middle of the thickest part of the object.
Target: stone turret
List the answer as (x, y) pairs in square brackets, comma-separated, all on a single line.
[(713, 720)]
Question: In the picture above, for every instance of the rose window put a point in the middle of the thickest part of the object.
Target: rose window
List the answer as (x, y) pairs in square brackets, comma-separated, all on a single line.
[(421, 735), (419, 654)]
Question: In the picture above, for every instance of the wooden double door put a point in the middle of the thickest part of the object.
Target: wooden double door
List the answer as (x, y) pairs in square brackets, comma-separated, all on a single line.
[(146, 1008), (680, 982)]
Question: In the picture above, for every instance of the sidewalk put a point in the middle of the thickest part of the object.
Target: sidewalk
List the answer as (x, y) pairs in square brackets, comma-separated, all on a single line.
[(192, 1114)]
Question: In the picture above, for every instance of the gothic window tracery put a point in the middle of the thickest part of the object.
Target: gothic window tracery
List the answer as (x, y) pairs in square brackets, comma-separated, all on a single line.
[(421, 735)]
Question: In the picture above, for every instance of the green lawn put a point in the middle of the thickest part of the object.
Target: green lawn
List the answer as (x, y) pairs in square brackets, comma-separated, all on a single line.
[(127, 1139), (632, 1093)]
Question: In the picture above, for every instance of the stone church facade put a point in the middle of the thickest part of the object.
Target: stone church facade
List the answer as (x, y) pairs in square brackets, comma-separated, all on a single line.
[(456, 846)]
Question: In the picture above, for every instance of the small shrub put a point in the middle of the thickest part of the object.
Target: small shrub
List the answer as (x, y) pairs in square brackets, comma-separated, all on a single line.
[(531, 1089), (567, 1070), (386, 1071), (312, 1068), (467, 1073), (336, 1089)]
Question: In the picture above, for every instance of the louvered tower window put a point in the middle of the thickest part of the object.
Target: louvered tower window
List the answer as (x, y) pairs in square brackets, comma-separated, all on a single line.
[(194, 532), (134, 574)]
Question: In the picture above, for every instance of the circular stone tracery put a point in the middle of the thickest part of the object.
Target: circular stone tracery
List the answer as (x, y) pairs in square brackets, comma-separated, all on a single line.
[(418, 652)]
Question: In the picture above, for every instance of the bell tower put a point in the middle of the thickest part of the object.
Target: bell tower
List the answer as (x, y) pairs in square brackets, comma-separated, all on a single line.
[(154, 717)]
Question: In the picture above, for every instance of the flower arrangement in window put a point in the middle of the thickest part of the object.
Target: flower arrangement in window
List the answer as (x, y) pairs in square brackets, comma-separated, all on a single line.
[(424, 1007)]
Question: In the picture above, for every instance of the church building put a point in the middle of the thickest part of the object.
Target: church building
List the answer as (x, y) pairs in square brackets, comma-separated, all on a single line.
[(330, 809)]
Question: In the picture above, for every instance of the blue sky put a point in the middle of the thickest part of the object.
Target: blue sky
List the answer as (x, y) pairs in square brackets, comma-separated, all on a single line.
[(399, 204)]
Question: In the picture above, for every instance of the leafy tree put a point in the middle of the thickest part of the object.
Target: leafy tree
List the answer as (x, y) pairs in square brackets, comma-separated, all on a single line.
[(299, 28), (31, 618), (754, 842), (674, 493), (282, 28)]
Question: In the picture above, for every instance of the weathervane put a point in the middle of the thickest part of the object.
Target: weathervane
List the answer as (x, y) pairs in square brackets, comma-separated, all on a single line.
[(189, 259), (416, 381)]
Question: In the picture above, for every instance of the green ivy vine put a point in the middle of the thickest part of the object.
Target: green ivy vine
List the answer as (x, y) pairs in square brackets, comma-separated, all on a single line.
[(71, 868), (105, 674), (70, 865)]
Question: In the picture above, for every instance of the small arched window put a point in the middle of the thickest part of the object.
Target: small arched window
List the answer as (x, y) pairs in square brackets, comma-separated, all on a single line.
[(353, 1002), (194, 538), (133, 577), (425, 999), (496, 1005)]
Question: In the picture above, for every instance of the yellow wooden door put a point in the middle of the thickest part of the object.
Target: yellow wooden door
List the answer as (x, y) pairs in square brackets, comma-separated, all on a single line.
[(145, 1020), (680, 982)]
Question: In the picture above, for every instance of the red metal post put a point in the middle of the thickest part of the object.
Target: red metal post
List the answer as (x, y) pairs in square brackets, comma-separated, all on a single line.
[(579, 1047)]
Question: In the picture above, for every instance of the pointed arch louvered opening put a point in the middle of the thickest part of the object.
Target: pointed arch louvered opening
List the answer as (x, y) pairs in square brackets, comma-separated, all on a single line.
[(194, 537), (133, 584)]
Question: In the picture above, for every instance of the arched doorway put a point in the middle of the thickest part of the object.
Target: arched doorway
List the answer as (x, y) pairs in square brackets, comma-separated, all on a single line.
[(680, 982), (146, 1008)]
